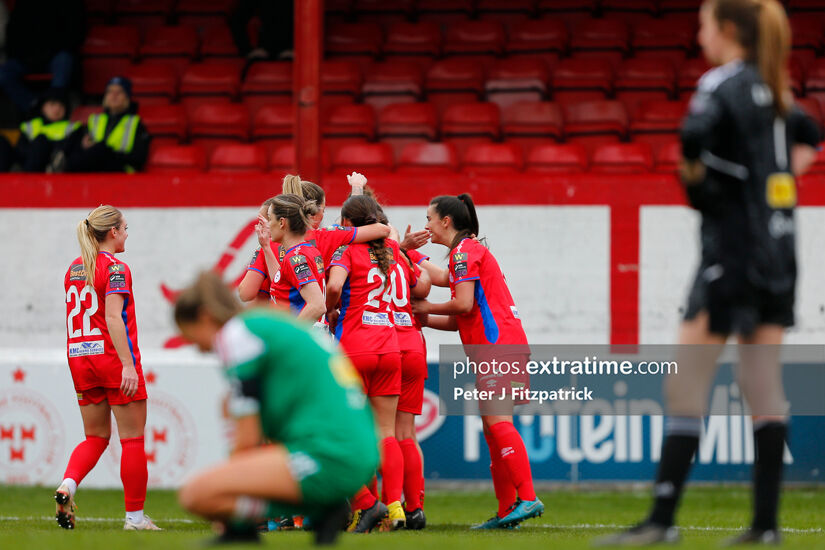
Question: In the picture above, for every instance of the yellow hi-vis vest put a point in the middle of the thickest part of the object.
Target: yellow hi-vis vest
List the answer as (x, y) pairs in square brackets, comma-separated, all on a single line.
[(54, 131), (122, 138)]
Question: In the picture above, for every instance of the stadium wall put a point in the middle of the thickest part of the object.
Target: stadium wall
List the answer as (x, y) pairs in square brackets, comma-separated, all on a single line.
[(590, 260)]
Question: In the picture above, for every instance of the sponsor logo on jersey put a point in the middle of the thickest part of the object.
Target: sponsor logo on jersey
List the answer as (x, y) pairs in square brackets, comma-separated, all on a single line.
[(460, 269), (376, 319), (514, 310), (319, 264), (402, 318), (114, 268), (460, 257), (339, 253), (84, 349), (254, 257), (297, 259), (117, 280), (373, 259), (301, 267), (77, 272)]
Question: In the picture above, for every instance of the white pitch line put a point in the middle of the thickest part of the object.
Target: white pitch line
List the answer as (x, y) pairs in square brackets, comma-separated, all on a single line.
[(583, 526)]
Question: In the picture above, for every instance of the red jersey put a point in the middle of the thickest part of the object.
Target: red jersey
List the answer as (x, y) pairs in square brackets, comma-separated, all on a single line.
[(365, 321), (494, 318), (92, 356), (302, 264), (328, 239), (404, 279), (416, 257), (258, 264)]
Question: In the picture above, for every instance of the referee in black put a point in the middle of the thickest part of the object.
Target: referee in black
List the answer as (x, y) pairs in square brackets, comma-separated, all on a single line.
[(743, 142)]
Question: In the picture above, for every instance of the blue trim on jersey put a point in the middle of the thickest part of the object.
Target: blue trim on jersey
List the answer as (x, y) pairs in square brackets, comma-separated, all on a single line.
[(345, 298), (465, 279), (126, 326), (124, 291), (294, 247), (258, 270), (354, 234), (112, 256), (339, 265), (296, 301), (490, 325)]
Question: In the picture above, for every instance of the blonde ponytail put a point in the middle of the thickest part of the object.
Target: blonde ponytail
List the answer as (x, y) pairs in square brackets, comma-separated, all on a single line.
[(773, 51), (294, 185), (92, 231)]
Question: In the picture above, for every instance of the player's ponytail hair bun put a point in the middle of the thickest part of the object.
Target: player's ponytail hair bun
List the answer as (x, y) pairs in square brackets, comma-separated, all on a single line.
[(363, 210), (462, 212), (91, 231), (295, 210), (294, 185), (208, 293)]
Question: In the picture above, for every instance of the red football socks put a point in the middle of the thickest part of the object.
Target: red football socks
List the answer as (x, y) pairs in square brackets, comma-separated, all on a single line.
[(392, 470), (133, 473), (84, 457), (503, 486), (413, 475), (515, 459), (363, 499)]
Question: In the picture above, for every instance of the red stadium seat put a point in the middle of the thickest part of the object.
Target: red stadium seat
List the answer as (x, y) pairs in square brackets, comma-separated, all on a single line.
[(444, 12), (349, 121), (218, 45), (623, 158), (557, 158), (812, 107), (507, 12), (545, 38), (457, 80), (106, 51), (203, 14), (644, 79), (806, 32), (815, 83), (668, 157), (605, 39), (519, 79), (669, 38), (165, 123), (629, 11), (358, 42), (657, 122), (147, 15), (392, 82), (403, 123), (282, 158), (414, 42), (273, 124), (532, 123), (205, 82), (267, 82), (688, 76), (582, 79), (680, 6), (237, 158), (340, 81), (214, 123), (383, 12), (363, 157), (492, 157), (428, 158), (478, 38), (568, 11), (176, 159), (177, 46), (153, 83), (593, 123), (469, 123)]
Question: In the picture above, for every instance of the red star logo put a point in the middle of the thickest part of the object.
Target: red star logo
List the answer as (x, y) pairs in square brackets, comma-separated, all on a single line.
[(19, 375), (150, 377)]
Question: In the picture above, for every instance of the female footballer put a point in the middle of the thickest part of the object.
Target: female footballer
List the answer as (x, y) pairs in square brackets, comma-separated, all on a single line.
[(289, 387), (483, 312), (742, 141), (104, 360)]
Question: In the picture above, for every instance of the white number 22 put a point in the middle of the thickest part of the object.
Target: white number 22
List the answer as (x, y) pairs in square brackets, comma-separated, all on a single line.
[(80, 296)]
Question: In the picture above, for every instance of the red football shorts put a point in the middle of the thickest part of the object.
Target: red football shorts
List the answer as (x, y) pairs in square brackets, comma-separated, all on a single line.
[(381, 374), (413, 374), (113, 396), (505, 378)]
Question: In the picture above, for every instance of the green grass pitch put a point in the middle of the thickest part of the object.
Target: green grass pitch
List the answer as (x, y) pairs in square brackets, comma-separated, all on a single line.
[(572, 520)]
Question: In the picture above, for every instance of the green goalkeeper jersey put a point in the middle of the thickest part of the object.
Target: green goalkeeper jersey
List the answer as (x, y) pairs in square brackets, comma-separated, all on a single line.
[(307, 395)]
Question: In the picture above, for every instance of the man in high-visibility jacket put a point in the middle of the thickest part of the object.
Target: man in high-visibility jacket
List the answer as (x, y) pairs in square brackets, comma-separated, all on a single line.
[(112, 141), (41, 136)]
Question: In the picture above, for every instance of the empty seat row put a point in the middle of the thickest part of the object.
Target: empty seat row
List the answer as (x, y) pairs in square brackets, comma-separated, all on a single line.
[(420, 158)]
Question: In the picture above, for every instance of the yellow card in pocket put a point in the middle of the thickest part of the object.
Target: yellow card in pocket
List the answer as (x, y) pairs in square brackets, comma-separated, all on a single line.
[(781, 190)]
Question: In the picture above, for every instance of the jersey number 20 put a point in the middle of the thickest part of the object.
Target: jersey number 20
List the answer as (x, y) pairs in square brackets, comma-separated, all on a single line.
[(80, 297), (391, 292)]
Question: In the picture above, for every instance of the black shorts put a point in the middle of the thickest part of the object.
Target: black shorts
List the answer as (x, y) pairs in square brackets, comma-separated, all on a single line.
[(737, 307)]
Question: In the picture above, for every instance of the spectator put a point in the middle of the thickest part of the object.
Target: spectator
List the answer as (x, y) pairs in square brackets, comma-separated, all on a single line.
[(41, 36), (275, 36), (112, 141), (41, 136)]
